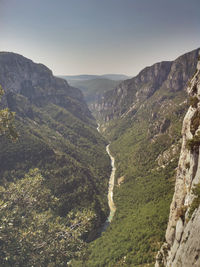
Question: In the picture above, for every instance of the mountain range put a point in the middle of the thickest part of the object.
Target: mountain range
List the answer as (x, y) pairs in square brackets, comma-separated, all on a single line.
[(94, 87), (57, 134), (153, 130), (85, 77), (142, 117)]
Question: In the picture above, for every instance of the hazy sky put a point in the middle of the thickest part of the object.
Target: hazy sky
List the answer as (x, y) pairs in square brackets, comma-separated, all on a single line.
[(99, 36)]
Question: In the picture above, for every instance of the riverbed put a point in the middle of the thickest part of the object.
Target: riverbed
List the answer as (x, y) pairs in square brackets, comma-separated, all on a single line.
[(111, 185), (111, 203)]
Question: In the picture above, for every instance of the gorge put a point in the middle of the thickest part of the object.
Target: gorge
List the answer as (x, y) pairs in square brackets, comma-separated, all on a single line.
[(58, 136), (142, 119), (182, 236), (111, 185)]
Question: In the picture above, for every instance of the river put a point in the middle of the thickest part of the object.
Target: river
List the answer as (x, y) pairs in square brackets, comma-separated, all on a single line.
[(111, 185), (111, 203)]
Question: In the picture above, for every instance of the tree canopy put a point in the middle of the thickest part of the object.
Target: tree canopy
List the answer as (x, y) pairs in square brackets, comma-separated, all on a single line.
[(31, 233), (7, 121)]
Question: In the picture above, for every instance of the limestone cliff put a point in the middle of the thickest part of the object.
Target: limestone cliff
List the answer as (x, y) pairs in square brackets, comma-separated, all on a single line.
[(36, 84), (127, 97), (57, 134), (182, 247)]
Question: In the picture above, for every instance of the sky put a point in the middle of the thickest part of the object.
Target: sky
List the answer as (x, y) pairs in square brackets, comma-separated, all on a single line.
[(74, 37)]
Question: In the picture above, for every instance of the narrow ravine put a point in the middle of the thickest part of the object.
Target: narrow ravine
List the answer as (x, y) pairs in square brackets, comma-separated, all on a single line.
[(111, 185)]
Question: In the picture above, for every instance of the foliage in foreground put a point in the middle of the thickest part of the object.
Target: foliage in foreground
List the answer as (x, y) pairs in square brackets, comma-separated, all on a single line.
[(31, 233), (69, 152), (7, 121)]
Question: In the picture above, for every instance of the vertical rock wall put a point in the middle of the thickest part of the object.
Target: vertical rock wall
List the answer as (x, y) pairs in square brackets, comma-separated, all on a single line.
[(182, 247)]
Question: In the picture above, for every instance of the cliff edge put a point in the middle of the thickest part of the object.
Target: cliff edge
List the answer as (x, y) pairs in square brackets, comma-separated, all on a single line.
[(182, 247)]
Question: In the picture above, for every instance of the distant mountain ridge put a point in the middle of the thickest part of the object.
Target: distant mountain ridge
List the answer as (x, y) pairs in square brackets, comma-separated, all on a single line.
[(114, 77), (142, 117), (94, 89), (171, 75), (94, 86)]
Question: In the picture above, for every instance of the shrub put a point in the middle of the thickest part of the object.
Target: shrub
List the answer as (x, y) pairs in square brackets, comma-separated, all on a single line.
[(194, 89), (194, 143), (195, 122), (194, 101), (181, 212), (187, 165), (31, 232), (196, 202)]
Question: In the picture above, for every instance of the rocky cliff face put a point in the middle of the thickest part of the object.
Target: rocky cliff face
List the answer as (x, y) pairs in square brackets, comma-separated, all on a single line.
[(128, 96), (182, 247), (36, 83), (57, 134), (143, 119)]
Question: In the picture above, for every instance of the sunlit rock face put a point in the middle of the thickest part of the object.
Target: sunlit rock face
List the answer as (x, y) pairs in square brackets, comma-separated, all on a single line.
[(36, 83), (182, 247), (128, 96)]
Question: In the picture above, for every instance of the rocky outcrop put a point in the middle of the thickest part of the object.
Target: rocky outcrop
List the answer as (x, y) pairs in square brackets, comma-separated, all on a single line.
[(124, 98), (168, 155), (127, 97), (182, 247), (57, 134), (36, 85)]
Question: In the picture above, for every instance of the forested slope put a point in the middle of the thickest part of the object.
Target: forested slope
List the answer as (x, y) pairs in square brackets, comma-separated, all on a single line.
[(142, 118), (57, 134)]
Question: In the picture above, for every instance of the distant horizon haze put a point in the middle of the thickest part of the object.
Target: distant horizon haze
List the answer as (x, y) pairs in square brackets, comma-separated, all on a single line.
[(72, 37)]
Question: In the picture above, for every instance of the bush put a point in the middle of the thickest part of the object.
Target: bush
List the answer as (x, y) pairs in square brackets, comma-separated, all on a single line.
[(195, 122), (194, 101), (194, 89), (181, 212), (187, 165), (196, 202), (194, 143), (32, 234)]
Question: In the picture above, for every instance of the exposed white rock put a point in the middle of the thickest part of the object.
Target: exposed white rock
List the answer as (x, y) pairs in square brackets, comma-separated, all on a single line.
[(168, 155), (188, 251), (182, 175), (179, 229), (183, 234)]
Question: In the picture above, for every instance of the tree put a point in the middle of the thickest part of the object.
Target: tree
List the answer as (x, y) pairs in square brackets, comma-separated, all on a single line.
[(31, 234), (7, 121)]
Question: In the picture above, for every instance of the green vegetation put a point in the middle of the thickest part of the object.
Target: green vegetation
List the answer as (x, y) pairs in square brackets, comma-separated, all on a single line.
[(31, 232), (194, 143), (47, 217), (193, 101), (69, 152), (187, 165), (195, 122), (196, 202), (142, 119), (181, 212), (194, 89), (7, 121), (94, 88), (57, 135), (143, 200)]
